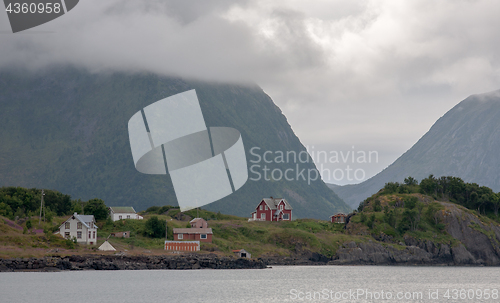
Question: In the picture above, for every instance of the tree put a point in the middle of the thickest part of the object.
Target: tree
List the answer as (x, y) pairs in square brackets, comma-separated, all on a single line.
[(6, 210), (391, 187), (410, 221), (496, 203), (410, 202), (432, 213), (155, 228), (389, 217), (97, 208), (410, 181), (361, 206)]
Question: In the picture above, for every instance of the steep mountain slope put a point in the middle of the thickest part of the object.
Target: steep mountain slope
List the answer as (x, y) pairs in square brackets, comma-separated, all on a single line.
[(465, 143), (66, 129)]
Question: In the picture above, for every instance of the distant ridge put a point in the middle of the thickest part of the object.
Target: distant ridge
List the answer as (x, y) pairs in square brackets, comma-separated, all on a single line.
[(465, 143)]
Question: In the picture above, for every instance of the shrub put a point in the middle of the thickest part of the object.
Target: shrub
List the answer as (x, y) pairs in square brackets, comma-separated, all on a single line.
[(155, 228)]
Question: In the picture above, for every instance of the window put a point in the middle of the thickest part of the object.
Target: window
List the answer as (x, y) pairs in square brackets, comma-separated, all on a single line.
[(79, 235), (94, 235), (120, 217), (263, 216), (90, 234), (266, 207), (79, 225), (281, 207), (128, 216), (66, 235), (67, 225), (180, 236), (203, 236), (260, 207), (286, 217)]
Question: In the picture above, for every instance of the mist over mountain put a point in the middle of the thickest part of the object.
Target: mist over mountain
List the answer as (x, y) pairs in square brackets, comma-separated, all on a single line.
[(464, 143), (66, 129)]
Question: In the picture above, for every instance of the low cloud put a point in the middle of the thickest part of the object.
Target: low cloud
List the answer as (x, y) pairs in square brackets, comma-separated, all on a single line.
[(375, 74)]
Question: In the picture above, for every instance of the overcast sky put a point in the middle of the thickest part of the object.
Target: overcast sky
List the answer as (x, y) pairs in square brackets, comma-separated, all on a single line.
[(348, 75)]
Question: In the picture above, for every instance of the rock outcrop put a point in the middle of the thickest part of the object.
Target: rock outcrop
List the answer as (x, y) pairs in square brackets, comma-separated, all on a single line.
[(120, 262)]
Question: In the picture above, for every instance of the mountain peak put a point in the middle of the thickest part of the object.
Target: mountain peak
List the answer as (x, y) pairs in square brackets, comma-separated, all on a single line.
[(462, 143)]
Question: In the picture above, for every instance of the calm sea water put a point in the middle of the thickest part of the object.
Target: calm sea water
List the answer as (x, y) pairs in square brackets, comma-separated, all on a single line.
[(279, 284)]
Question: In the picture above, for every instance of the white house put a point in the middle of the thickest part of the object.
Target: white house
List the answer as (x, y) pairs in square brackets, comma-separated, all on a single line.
[(81, 227), (123, 212)]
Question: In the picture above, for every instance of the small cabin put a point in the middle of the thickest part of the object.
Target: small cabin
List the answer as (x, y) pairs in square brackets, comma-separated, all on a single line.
[(241, 253), (198, 223), (338, 218), (121, 234)]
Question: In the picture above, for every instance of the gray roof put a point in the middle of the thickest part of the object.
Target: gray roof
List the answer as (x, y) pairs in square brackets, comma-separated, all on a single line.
[(87, 220), (192, 231), (122, 209), (273, 203)]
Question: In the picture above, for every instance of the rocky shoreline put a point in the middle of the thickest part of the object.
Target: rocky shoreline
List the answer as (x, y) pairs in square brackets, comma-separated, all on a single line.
[(125, 262), (416, 253), (424, 253)]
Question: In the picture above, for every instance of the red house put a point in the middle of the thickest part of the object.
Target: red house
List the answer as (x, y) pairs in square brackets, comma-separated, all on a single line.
[(338, 218), (193, 234), (270, 209)]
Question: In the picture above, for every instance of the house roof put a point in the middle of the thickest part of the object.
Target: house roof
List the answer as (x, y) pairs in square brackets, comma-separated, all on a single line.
[(192, 231), (273, 203), (87, 220), (122, 209), (239, 250), (338, 214), (196, 220)]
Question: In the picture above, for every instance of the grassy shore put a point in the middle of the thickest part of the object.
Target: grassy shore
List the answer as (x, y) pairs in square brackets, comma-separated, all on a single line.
[(261, 239)]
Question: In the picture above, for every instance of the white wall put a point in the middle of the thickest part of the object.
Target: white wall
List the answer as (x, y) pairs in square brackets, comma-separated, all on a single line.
[(73, 232), (116, 216)]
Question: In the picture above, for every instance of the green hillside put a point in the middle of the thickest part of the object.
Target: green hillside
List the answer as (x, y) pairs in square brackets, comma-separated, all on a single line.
[(407, 223), (66, 129)]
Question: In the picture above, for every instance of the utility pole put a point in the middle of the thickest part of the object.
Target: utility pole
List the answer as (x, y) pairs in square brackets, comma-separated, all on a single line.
[(166, 230), (41, 207)]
